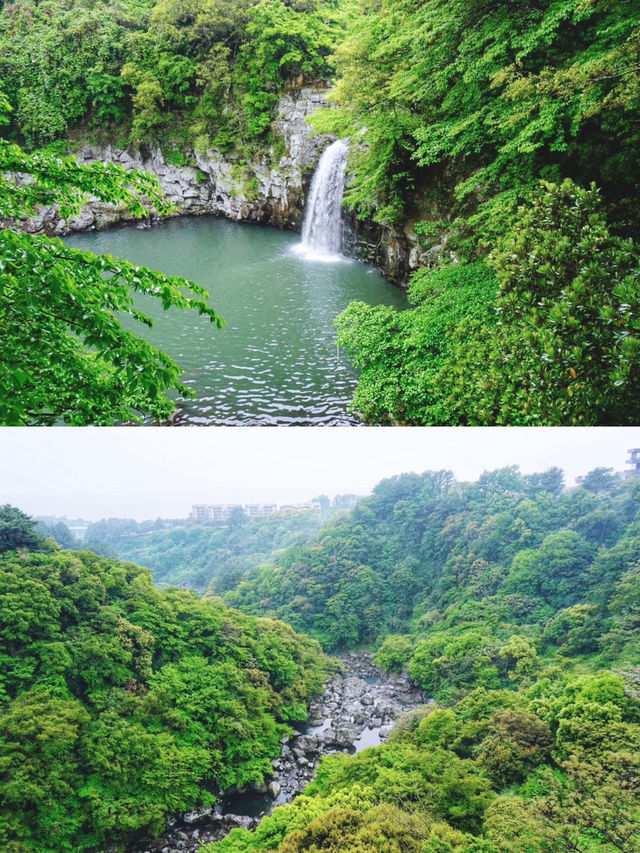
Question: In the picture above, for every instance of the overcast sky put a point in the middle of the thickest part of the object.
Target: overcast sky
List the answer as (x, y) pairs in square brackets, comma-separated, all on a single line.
[(153, 472)]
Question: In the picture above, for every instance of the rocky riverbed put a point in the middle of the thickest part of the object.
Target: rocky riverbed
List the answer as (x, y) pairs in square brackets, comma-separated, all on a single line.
[(356, 710)]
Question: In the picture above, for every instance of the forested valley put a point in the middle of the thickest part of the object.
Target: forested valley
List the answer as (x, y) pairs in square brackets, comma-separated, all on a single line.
[(121, 703), (184, 552), (496, 142), (197, 555), (512, 601)]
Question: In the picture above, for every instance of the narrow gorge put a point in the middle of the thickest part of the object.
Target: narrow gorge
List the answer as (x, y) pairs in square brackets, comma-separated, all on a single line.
[(356, 710)]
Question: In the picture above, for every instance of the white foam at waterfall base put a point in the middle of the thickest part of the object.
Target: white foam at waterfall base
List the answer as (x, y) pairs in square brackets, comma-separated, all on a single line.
[(322, 230)]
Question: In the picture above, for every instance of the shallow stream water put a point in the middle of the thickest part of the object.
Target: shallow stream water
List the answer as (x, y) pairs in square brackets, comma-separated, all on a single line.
[(356, 710)]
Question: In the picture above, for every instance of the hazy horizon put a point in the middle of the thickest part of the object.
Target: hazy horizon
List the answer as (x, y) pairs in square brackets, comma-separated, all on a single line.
[(160, 473)]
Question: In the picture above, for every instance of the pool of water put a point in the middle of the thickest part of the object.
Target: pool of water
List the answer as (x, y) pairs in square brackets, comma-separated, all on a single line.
[(369, 737), (276, 361), (249, 803)]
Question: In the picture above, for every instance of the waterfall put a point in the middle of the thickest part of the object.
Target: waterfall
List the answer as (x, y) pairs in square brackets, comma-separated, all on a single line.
[(322, 228)]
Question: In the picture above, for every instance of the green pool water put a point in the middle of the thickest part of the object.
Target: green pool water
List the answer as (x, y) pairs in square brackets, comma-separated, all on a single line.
[(276, 361)]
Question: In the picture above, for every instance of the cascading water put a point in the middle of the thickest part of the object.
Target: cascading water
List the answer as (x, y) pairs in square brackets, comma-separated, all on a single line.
[(322, 228)]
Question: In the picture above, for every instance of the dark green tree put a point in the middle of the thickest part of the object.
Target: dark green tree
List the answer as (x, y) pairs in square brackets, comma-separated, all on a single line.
[(17, 530)]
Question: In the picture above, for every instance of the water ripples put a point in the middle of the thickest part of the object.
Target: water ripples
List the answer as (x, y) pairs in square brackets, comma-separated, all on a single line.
[(275, 362)]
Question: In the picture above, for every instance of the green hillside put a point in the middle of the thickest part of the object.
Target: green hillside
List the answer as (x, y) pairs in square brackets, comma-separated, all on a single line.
[(200, 555), (516, 605), (120, 703)]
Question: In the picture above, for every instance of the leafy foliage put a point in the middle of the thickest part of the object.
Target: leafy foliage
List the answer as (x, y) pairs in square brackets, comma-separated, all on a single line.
[(556, 342), (214, 67), (486, 97), (566, 347), (531, 745), (508, 560), (478, 777), (212, 557), (17, 530), (59, 61), (402, 353), (120, 703), (64, 354), (512, 601), (456, 112)]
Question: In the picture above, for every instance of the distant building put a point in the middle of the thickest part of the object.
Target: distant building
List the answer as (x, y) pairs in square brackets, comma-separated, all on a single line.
[(219, 512), (634, 459), (312, 506), (222, 512), (260, 510), (201, 512)]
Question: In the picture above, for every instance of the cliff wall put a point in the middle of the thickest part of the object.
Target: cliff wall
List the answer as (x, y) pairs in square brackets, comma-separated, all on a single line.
[(267, 189)]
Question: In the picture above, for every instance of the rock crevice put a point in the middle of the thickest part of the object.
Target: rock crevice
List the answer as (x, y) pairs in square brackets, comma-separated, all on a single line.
[(357, 708), (269, 188)]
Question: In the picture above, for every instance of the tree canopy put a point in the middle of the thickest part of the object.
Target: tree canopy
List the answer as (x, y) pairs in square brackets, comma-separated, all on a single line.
[(494, 142), (544, 330), (512, 602), (499, 136), (206, 70), (120, 704), (202, 555), (17, 530), (64, 355)]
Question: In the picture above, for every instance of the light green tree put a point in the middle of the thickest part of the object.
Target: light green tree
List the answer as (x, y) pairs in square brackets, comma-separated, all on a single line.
[(64, 354)]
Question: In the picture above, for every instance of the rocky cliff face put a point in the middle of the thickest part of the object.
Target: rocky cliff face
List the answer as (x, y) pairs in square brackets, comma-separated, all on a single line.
[(269, 189), (396, 250)]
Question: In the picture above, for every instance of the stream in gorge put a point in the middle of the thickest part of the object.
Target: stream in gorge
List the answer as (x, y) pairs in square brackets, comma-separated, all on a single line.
[(276, 360), (356, 710)]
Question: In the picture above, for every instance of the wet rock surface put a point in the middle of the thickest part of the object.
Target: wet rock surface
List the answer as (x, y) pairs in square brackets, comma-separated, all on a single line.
[(268, 189), (356, 710), (397, 250)]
